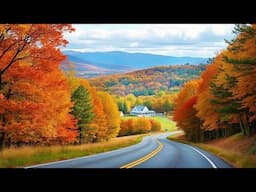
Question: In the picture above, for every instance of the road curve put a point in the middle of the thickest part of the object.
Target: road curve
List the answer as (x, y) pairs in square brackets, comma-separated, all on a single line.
[(154, 151)]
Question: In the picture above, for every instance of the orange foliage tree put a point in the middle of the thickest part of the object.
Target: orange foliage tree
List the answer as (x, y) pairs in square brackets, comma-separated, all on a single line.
[(32, 85), (226, 94), (126, 127), (185, 113), (155, 125), (186, 119), (241, 60), (142, 125), (205, 110), (138, 126)]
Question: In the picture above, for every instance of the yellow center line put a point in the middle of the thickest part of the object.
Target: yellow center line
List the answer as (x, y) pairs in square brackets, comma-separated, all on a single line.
[(145, 158)]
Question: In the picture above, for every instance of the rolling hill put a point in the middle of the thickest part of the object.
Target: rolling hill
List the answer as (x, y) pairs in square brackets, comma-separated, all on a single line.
[(120, 62), (148, 81)]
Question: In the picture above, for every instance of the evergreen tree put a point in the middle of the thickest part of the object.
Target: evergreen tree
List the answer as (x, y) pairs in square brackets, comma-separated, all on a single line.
[(167, 106), (120, 106), (228, 108), (82, 109), (125, 108)]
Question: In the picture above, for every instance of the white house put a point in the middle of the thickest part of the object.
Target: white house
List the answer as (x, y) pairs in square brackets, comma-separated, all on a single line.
[(141, 110)]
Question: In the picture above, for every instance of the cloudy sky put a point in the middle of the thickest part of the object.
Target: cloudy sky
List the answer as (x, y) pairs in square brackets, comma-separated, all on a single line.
[(196, 40)]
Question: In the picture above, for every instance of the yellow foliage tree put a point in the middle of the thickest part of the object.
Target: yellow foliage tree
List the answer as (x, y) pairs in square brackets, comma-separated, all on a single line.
[(112, 114)]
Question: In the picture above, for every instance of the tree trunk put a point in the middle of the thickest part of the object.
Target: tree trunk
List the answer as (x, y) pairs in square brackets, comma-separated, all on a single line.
[(2, 132), (2, 141), (248, 132), (241, 124), (253, 126), (80, 135)]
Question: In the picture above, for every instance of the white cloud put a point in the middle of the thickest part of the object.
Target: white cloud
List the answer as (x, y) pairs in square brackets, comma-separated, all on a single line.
[(134, 44), (169, 39), (221, 29)]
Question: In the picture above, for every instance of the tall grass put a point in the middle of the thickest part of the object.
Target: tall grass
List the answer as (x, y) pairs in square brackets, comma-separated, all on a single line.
[(24, 156), (237, 159)]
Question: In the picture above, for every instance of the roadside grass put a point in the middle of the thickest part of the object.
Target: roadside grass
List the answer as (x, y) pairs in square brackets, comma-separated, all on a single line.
[(167, 124), (25, 156), (252, 150), (235, 158)]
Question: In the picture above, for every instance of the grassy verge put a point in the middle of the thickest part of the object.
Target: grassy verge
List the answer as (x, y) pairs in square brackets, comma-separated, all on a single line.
[(237, 159), (167, 124), (25, 156)]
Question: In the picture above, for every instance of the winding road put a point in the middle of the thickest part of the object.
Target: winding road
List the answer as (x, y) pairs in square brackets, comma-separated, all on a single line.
[(155, 151)]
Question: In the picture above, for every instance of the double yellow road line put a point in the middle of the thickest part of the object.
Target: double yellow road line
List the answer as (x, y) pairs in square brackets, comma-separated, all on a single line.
[(145, 158)]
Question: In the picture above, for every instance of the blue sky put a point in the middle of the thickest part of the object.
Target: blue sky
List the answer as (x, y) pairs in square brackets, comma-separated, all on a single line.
[(195, 40)]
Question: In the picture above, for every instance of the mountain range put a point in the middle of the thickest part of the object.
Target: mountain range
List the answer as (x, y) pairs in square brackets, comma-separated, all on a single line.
[(90, 64)]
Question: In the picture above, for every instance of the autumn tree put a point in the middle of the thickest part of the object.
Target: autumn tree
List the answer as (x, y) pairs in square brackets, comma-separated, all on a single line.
[(187, 120), (112, 114), (99, 126), (225, 97), (138, 126), (97, 129), (131, 99), (205, 110), (155, 125), (241, 59), (185, 112), (30, 42), (142, 125), (31, 84), (70, 73), (127, 127)]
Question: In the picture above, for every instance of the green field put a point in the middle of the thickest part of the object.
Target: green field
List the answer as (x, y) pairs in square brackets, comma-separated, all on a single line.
[(167, 124)]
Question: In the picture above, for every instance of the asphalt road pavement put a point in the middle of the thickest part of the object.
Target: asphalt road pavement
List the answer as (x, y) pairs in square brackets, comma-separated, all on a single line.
[(155, 151)]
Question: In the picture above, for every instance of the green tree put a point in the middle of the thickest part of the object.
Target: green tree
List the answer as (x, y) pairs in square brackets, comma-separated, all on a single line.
[(82, 109), (167, 106), (149, 104), (120, 105), (227, 107), (125, 108)]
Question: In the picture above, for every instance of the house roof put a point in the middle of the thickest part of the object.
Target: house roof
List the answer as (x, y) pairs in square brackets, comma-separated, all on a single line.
[(139, 107)]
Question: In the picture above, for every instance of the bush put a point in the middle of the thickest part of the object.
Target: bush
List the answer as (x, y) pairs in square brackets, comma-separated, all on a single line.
[(155, 125), (138, 126)]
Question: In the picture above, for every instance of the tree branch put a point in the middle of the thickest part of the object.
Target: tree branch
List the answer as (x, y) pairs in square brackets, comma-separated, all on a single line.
[(2, 35), (26, 40), (13, 58), (7, 49)]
